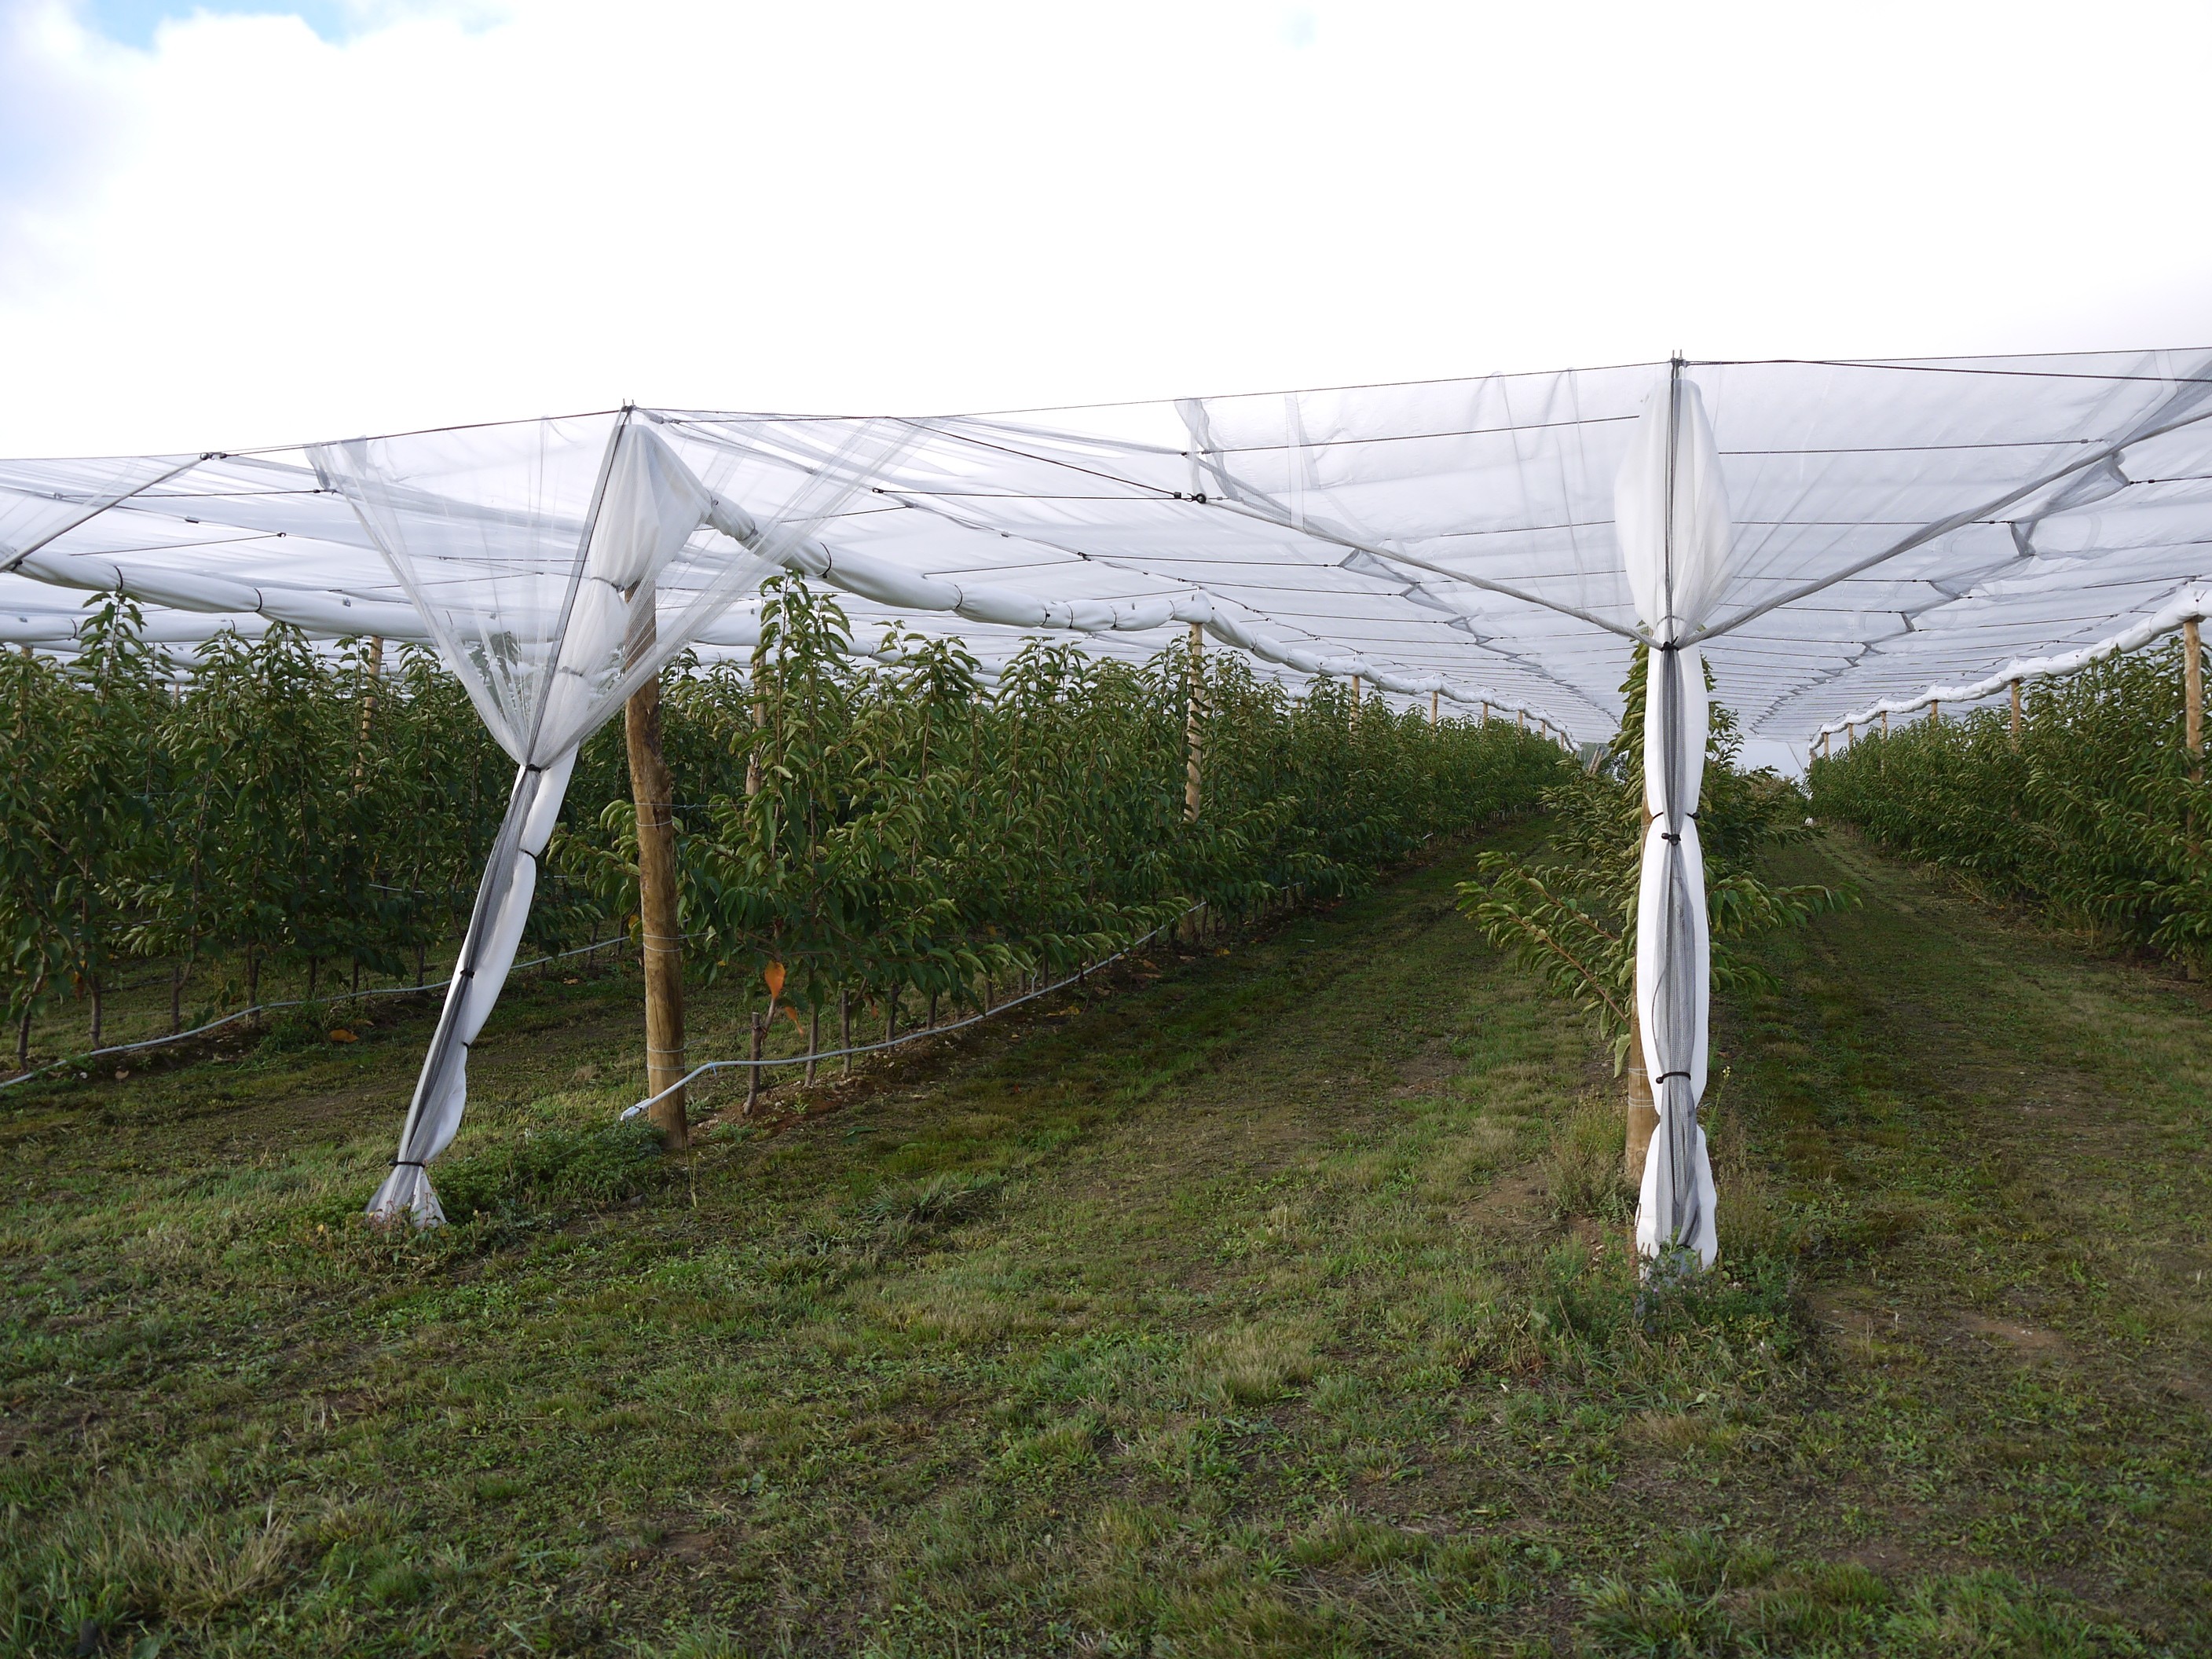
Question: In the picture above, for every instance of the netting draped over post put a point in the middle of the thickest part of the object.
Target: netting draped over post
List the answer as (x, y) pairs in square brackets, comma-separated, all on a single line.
[(1671, 515), (541, 556)]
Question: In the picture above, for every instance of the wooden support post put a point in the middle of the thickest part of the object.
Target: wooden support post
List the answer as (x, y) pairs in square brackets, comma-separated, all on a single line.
[(1521, 719), (1935, 712), (2192, 694), (1885, 722), (1195, 709), (1485, 712), (662, 932), (1642, 1109), (2015, 714), (1355, 694), (1823, 745), (1435, 717)]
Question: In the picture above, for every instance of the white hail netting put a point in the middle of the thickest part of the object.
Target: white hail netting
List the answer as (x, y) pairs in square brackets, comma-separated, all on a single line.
[(1671, 514), (1890, 526)]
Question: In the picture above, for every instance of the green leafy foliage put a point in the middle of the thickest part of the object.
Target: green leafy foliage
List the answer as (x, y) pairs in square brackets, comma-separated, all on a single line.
[(1568, 915), (275, 805), (880, 831), (2092, 814)]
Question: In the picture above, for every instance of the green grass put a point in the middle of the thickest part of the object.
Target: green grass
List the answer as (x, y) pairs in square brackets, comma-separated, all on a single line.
[(1275, 1303)]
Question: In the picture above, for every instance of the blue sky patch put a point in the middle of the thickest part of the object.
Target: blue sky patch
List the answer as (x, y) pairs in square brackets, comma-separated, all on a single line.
[(132, 22)]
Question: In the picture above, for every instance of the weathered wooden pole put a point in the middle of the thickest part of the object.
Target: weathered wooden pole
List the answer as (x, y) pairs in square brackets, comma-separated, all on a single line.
[(1885, 722), (660, 932), (1194, 711), (1485, 712), (1520, 719), (2015, 714), (2192, 697), (1643, 1110), (1436, 717), (1935, 712), (1355, 694)]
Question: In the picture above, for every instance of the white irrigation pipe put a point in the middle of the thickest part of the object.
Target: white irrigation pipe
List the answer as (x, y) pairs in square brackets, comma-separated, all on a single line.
[(271, 1007), (2194, 607), (697, 1072)]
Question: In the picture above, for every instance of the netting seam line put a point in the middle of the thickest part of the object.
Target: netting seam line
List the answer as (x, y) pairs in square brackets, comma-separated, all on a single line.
[(1871, 652), (2166, 620), (698, 1072), (1944, 526), (17, 558)]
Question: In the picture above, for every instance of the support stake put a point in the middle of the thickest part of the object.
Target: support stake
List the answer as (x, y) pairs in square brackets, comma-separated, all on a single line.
[(660, 931)]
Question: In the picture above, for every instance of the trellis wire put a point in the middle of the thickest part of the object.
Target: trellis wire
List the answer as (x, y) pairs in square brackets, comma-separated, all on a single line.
[(629, 1112)]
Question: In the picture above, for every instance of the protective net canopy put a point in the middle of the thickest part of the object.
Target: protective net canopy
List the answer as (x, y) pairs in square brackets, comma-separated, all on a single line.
[(1831, 538)]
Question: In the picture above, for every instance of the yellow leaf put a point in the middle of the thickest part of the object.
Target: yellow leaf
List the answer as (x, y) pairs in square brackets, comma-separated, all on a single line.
[(774, 974)]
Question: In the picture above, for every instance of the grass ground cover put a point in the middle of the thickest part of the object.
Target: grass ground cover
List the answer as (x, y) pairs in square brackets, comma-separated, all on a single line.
[(1274, 1302)]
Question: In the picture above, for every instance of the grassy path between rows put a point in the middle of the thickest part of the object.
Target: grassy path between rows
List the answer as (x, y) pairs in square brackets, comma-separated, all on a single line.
[(1273, 1304)]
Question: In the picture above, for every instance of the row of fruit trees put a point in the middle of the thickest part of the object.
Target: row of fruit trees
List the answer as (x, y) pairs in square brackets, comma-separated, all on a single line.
[(270, 807), (2092, 810)]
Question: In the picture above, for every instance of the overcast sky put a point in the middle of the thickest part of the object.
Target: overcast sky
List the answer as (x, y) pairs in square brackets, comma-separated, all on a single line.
[(240, 224)]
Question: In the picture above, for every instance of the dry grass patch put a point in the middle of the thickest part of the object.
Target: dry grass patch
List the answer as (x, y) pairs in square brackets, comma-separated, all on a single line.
[(1251, 1364)]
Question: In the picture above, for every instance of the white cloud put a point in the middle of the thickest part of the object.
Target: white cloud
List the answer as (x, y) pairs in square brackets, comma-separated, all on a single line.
[(251, 233)]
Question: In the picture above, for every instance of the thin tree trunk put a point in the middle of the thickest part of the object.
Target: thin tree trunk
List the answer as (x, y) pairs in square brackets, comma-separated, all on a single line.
[(176, 996), (99, 1008), (753, 1072), (845, 1026), (813, 1041)]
